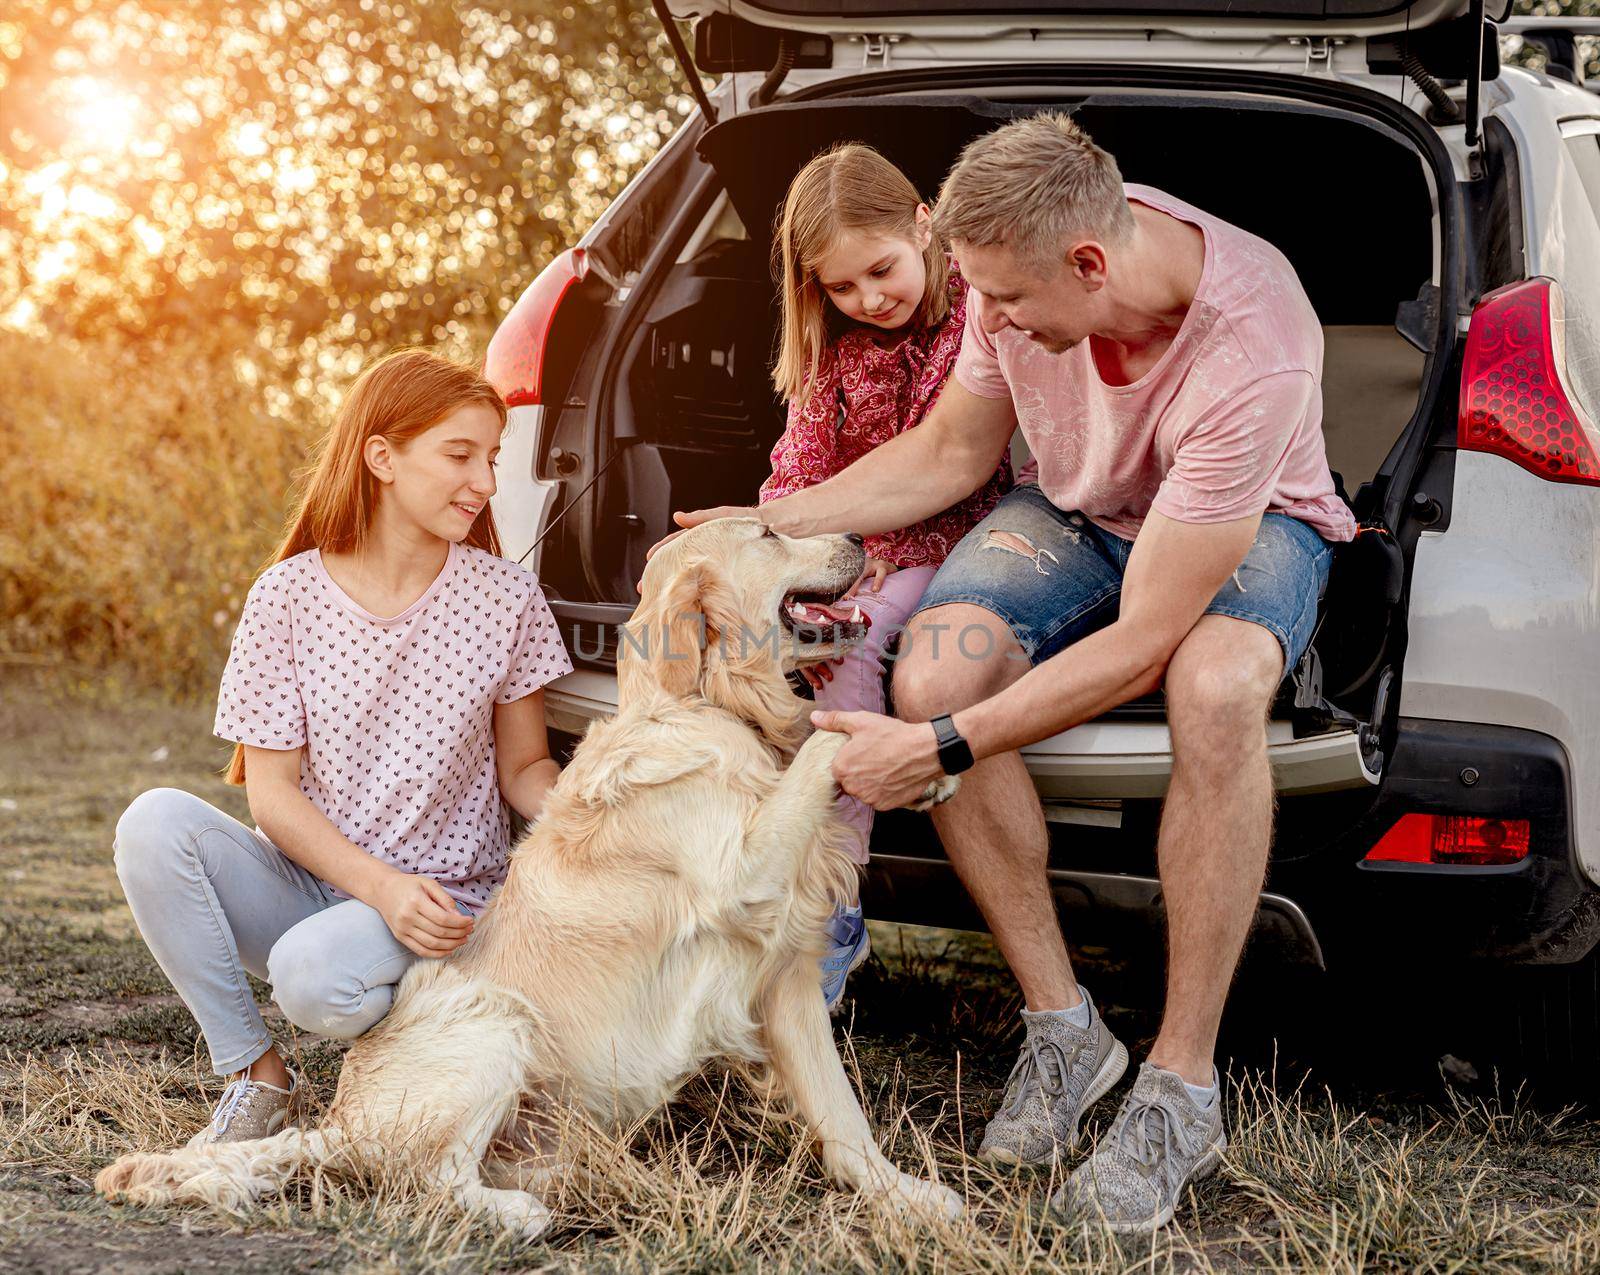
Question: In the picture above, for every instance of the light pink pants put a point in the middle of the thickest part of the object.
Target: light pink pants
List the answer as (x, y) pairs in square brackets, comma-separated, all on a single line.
[(858, 679)]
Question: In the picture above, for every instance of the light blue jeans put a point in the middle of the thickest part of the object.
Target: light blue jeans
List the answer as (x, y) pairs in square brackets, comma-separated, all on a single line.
[(215, 899)]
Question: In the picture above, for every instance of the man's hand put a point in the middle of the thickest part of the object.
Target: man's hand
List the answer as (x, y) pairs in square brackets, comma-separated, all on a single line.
[(697, 516), (887, 763), (420, 913)]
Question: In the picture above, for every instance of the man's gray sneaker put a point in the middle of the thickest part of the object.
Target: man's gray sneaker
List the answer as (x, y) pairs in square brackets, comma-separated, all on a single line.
[(1063, 1069), (1158, 1144), (249, 1109)]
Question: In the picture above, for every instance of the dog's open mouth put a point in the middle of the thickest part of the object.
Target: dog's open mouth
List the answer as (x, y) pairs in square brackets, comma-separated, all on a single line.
[(817, 620)]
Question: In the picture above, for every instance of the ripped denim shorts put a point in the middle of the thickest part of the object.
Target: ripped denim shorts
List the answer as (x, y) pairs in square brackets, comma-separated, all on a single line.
[(1055, 577)]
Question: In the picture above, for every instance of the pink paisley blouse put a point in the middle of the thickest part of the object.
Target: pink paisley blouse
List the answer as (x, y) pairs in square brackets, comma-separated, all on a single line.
[(866, 391)]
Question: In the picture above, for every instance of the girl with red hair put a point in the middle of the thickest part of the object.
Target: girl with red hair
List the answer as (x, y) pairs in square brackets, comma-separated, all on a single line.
[(383, 693)]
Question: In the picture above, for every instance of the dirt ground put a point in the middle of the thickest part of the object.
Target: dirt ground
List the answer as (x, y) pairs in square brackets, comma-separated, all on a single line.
[(1336, 1163)]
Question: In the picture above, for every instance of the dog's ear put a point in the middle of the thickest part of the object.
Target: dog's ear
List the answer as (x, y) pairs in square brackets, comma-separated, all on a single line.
[(665, 641)]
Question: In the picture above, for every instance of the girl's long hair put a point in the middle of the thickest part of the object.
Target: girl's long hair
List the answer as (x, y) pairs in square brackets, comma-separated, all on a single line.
[(399, 397), (851, 187)]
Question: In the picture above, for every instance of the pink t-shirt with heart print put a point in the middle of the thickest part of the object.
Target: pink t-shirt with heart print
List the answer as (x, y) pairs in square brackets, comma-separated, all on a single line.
[(396, 715)]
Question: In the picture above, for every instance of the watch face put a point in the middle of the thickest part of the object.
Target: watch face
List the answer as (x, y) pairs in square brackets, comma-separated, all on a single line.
[(955, 755)]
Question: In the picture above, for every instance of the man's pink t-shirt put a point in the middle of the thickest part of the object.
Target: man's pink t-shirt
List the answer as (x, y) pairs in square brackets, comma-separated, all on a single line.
[(396, 715), (1228, 424)]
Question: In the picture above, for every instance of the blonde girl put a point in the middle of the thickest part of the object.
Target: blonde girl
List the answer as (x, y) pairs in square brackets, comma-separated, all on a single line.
[(873, 315)]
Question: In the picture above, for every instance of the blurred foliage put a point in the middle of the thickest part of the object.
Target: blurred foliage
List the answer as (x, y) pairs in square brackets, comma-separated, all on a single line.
[(341, 175), (1520, 54), (142, 491), (211, 214)]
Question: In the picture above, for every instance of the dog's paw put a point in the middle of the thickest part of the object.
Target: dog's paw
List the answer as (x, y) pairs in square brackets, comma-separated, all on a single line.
[(533, 1223), (527, 1219), (817, 753), (518, 1213), (924, 1198), (822, 745), (115, 1179), (938, 792)]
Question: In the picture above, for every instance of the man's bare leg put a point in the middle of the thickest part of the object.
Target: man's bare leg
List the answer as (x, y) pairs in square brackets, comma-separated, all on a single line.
[(1215, 831), (1216, 827), (994, 833), (993, 829)]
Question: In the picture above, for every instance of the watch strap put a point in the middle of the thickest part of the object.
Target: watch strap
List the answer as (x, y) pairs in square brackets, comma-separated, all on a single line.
[(955, 755)]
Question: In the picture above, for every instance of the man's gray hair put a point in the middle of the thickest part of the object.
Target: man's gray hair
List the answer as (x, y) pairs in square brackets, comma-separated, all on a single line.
[(1033, 185)]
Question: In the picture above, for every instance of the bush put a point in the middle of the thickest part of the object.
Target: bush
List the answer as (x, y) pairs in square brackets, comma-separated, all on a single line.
[(144, 491)]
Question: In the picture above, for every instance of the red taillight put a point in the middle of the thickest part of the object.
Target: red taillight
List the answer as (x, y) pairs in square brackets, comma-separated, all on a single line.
[(515, 362), (1452, 839), (1514, 398)]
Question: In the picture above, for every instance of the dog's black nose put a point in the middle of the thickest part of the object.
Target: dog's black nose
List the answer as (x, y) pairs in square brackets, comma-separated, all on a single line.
[(853, 538)]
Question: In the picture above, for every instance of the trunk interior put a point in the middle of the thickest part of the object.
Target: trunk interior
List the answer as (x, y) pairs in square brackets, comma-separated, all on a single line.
[(692, 416)]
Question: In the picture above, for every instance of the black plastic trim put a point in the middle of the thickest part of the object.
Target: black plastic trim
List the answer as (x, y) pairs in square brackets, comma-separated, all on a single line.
[(1543, 910), (652, 277)]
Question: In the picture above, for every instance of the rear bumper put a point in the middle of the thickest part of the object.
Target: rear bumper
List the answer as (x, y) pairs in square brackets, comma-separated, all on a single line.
[(1543, 910), (1104, 759), (1099, 908), (1323, 905)]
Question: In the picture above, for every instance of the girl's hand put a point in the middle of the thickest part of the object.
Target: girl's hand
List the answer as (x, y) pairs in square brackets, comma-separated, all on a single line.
[(421, 914), (876, 568), (818, 675)]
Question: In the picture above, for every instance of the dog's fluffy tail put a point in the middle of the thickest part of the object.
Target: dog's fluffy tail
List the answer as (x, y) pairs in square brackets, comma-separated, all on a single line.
[(228, 1176)]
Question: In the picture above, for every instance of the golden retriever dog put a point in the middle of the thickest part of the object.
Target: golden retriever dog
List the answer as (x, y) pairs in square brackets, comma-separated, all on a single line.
[(666, 912)]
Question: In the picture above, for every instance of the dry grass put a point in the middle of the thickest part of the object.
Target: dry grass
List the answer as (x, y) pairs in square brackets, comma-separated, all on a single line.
[(96, 1058), (715, 1184)]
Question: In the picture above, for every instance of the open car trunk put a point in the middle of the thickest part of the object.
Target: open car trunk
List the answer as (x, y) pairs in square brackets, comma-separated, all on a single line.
[(685, 414)]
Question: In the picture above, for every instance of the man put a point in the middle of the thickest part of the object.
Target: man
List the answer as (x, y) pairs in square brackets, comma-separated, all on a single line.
[(1164, 368)]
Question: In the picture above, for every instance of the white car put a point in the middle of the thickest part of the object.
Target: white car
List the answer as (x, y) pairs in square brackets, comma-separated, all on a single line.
[(1437, 754)]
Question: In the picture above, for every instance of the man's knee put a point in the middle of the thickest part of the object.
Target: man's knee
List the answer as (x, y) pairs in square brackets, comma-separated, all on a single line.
[(1218, 684), (953, 657), (317, 994), (152, 833)]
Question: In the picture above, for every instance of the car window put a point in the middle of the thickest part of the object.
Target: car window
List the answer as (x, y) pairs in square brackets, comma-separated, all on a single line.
[(1585, 151), (1579, 219)]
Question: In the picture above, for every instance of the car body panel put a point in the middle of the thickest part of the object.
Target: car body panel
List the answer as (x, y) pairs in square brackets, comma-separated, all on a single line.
[(1505, 620), (955, 19), (521, 502), (1562, 225), (1505, 611)]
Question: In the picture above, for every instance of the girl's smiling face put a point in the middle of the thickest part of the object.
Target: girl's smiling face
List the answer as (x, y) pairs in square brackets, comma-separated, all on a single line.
[(876, 279), (442, 479)]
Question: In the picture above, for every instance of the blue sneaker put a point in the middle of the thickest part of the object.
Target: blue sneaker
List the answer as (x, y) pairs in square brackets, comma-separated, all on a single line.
[(847, 930)]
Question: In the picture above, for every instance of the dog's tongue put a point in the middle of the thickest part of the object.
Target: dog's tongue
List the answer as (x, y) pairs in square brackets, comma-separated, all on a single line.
[(827, 613)]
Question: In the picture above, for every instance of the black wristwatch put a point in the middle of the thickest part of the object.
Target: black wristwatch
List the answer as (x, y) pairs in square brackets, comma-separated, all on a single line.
[(954, 754)]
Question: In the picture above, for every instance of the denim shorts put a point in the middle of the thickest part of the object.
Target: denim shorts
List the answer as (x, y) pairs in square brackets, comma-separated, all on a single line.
[(1055, 577)]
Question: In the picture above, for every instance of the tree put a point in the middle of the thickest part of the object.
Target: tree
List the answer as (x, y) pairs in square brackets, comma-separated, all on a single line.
[(322, 174)]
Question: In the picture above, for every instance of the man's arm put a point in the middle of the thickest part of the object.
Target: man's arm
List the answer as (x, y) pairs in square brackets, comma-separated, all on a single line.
[(920, 473), (1174, 571)]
